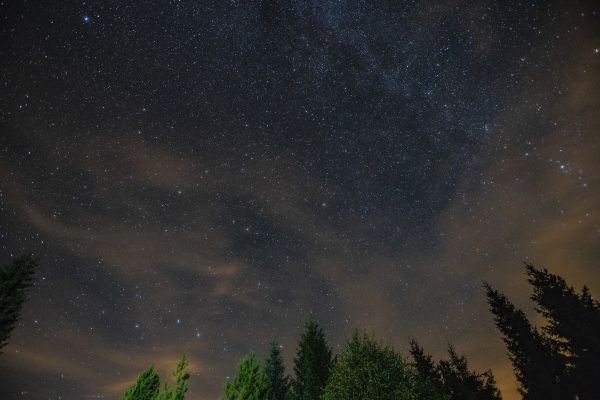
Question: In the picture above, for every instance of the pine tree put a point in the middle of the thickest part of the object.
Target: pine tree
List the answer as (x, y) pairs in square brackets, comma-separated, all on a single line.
[(574, 321), (424, 364), (463, 384), (146, 386), (15, 279), (490, 388), (181, 376), (275, 370), (312, 364), (249, 383), (539, 366), (453, 376)]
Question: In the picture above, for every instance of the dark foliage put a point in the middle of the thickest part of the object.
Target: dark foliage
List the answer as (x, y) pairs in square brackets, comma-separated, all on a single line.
[(367, 369), (574, 325), (453, 376), (312, 364), (559, 361), (15, 279), (275, 370), (147, 385), (463, 384), (424, 364)]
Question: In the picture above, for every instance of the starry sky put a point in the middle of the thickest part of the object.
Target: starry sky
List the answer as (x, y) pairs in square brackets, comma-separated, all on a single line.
[(199, 177)]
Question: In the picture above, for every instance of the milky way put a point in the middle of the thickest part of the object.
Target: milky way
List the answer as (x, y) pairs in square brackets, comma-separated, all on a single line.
[(199, 178)]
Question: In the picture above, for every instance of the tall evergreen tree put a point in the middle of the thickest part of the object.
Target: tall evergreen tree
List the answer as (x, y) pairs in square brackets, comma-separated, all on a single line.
[(463, 384), (424, 364), (275, 370), (146, 387), (312, 364), (539, 366), (15, 279), (574, 321), (181, 375), (249, 383), (490, 388), (453, 376)]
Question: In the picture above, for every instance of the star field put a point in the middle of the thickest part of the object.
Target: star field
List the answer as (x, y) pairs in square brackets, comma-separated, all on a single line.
[(199, 177)]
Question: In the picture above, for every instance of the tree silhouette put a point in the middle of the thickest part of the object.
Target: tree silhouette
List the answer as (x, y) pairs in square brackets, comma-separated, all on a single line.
[(463, 384), (275, 370), (15, 279), (539, 366), (311, 364), (425, 365), (574, 324), (453, 376)]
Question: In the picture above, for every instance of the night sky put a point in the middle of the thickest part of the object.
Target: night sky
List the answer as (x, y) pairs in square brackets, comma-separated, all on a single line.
[(199, 178)]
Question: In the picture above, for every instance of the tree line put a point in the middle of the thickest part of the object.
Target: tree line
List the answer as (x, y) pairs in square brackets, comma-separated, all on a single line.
[(365, 369), (560, 360)]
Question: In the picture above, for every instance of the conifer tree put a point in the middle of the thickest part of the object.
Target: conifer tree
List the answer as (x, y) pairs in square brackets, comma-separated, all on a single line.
[(490, 388), (181, 375), (311, 364), (15, 279), (539, 366), (463, 384), (453, 376), (424, 364), (275, 370), (146, 387), (574, 321), (249, 383)]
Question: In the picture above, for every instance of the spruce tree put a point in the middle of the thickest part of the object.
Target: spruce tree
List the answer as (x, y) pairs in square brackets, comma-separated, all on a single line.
[(146, 387), (490, 388), (463, 384), (181, 375), (539, 366), (574, 321), (453, 376), (15, 279), (249, 383), (311, 364), (424, 364), (275, 370)]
